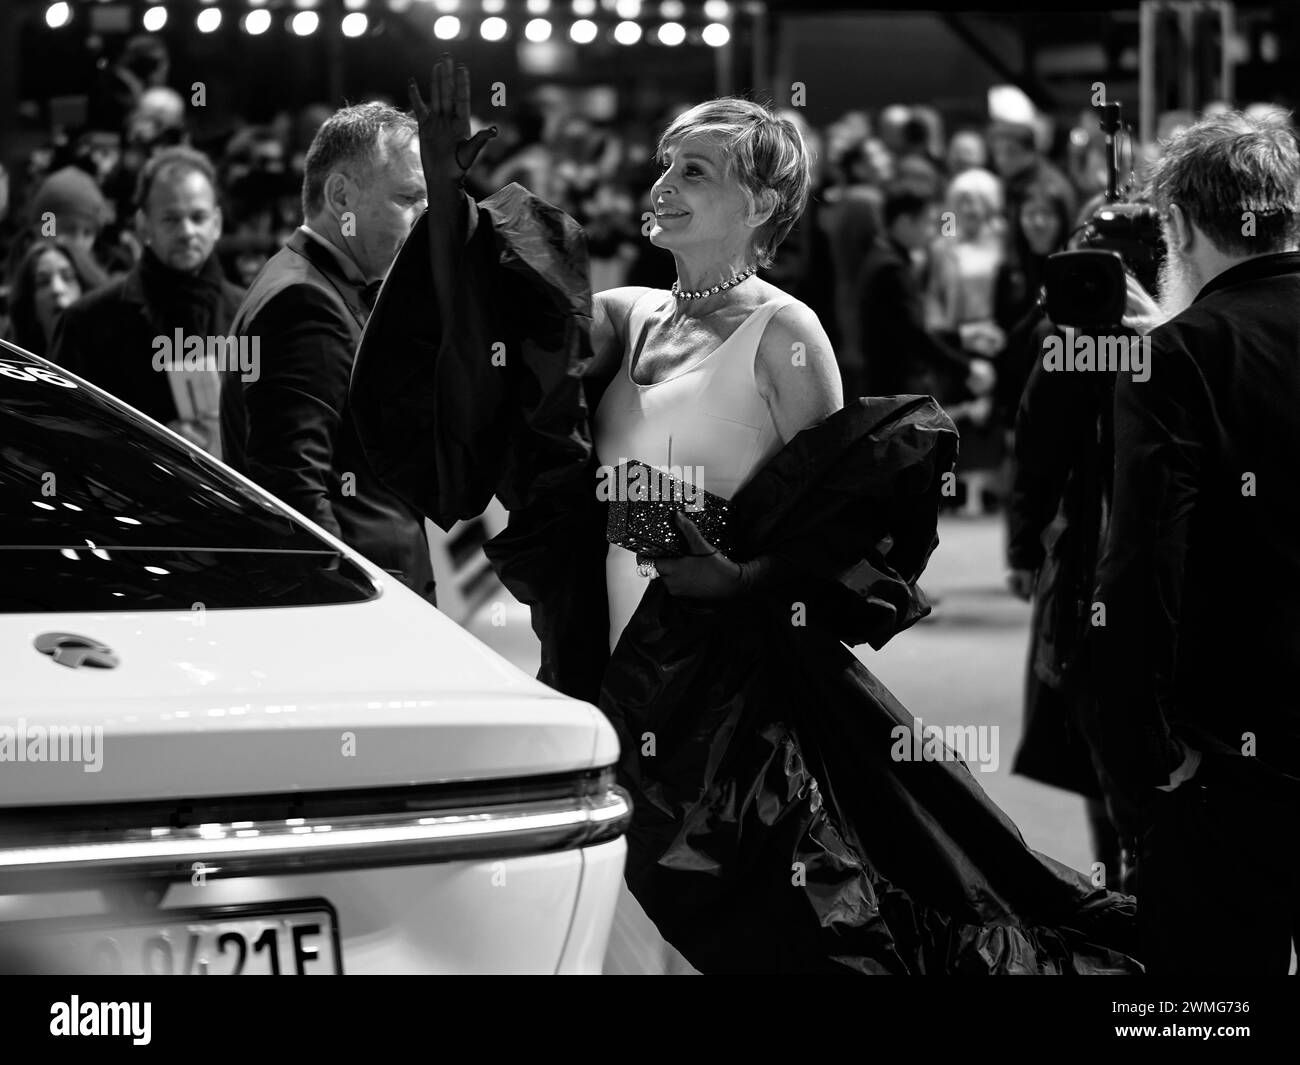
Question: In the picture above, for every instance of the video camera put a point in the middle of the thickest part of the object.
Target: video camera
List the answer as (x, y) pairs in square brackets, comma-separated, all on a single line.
[(1086, 288)]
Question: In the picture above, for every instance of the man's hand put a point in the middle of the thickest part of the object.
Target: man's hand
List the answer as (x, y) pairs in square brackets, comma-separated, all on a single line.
[(703, 572), (447, 151), (1141, 313), (1021, 583)]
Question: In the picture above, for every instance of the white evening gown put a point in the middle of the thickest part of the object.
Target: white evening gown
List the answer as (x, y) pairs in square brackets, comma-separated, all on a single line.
[(710, 418)]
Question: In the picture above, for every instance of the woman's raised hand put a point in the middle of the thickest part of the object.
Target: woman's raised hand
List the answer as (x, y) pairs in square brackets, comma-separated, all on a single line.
[(447, 151)]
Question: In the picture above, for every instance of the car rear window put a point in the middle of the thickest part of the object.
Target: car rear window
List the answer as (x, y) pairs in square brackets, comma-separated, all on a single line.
[(100, 510)]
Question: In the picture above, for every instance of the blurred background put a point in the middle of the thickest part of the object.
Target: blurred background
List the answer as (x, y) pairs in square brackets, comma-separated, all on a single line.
[(987, 116)]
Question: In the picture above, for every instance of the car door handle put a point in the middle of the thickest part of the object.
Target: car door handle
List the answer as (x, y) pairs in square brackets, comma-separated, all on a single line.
[(69, 649)]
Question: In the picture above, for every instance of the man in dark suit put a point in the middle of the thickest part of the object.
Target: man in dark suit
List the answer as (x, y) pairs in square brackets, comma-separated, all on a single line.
[(291, 429), (123, 337), (900, 355), (1199, 643)]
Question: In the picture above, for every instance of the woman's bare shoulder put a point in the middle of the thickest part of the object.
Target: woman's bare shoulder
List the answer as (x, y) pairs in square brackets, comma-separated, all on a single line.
[(794, 320), (610, 312), (617, 303), (796, 370)]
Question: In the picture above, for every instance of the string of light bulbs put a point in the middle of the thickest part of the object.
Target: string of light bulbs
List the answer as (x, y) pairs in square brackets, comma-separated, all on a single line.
[(625, 22)]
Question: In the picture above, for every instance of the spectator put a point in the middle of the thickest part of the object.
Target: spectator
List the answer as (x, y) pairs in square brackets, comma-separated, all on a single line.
[(530, 161), (143, 64), (900, 355), (49, 278), (964, 264), (291, 428), (966, 151), (1039, 229), (851, 223), (156, 122), (1018, 162), (112, 337), (69, 205), (255, 181), (966, 256)]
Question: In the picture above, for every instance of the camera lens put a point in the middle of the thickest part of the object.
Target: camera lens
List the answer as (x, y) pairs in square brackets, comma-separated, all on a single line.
[(1086, 289)]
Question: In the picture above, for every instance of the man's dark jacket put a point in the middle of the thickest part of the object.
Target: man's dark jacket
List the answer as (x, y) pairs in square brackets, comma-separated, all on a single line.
[(291, 430), (1200, 579), (774, 828), (108, 337), (1056, 507), (899, 354)]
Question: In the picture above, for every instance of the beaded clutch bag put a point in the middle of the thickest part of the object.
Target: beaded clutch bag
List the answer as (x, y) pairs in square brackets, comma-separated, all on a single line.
[(641, 509)]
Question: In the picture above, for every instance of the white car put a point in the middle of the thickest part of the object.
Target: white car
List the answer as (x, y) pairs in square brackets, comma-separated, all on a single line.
[(231, 745)]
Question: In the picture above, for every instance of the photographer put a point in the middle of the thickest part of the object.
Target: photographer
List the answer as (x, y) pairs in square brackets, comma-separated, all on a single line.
[(1056, 512), (1197, 652)]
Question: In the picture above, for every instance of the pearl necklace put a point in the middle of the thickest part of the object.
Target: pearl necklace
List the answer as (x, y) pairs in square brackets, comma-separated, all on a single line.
[(715, 289)]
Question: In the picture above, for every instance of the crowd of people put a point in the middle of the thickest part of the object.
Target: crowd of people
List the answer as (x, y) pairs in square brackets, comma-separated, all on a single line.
[(916, 268), (921, 251)]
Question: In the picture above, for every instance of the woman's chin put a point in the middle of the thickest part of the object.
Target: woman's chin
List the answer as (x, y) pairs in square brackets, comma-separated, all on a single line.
[(662, 238)]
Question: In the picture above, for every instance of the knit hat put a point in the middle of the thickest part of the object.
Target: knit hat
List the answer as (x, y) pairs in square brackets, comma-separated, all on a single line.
[(72, 196)]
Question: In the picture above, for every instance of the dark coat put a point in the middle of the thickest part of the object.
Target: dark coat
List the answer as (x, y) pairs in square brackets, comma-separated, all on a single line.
[(108, 338), (291, 430), (492, 403), (1056, 513), (773, 830), (1201, 574), (899, 354)]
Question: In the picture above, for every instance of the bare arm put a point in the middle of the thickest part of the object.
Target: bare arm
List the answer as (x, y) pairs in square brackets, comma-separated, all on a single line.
[(610, 311), (796, 371)]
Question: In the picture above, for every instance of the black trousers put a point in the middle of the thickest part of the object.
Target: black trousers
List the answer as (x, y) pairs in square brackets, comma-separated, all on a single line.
[(1220, 869)]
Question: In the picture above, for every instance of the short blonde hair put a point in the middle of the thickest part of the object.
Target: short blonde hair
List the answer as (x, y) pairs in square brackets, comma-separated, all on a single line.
[(764, 152), (982, 184)]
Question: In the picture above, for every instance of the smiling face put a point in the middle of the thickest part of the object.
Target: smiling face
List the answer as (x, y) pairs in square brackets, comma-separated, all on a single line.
[(696, 202), (1041, 225)]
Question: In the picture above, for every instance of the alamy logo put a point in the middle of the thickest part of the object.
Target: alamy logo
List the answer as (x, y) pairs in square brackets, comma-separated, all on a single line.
[(102, 1018), (222, 353), (53, 743), (642, 484), (930, 743), (1082, 352)]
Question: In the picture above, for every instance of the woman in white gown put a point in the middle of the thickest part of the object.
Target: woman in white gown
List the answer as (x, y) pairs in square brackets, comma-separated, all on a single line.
[(714, 376), (775, 747)]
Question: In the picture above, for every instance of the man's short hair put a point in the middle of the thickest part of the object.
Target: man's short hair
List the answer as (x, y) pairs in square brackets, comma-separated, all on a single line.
[(904, 202), (167, 164), (1237, 178), (352, 140)]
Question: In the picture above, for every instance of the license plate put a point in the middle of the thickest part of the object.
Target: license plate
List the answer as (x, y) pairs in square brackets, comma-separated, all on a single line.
[(291, 939)]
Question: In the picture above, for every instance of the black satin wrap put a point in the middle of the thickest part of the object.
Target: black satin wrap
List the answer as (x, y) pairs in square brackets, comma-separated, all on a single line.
[(772, 830), (451, 413)]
